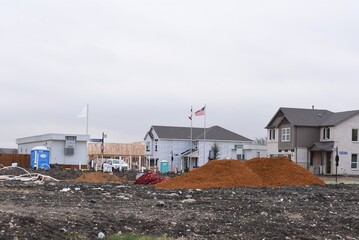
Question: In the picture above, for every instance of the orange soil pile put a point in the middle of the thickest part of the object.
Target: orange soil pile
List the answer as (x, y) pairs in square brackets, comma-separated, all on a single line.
[(257, 172), (98, 177)]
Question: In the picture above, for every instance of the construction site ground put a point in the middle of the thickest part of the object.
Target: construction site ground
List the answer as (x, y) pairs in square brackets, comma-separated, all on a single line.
[(70, 209)]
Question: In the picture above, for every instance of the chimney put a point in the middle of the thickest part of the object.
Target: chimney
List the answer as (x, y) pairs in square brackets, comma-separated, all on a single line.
[(313, 107)]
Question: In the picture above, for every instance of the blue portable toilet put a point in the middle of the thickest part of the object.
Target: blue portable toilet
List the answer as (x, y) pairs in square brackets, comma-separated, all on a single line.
[(40, 158), (164, 166)]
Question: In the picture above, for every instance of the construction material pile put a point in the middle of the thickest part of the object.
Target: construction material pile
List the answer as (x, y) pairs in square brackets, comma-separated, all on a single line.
[(257, 172), (99, 177), (12, 174), (150, 178)]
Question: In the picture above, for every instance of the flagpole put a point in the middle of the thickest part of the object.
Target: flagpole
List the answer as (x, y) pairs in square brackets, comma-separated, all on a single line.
[(191, 128), (204, 133), (190, 159), (87, 119)]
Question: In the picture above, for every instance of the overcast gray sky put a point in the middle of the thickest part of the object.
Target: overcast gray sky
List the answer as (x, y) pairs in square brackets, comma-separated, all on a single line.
[(143, 63)]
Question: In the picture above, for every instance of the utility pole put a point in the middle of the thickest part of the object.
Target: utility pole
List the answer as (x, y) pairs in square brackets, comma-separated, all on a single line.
[(103, 143)]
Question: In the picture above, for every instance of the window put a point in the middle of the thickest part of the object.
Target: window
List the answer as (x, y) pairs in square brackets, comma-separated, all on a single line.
[(326, 133), (271, 134), (148, 143), (354, 164), (285, 134), (354, 135)]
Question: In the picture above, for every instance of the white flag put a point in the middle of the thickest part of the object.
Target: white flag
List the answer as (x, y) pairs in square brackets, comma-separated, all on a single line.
[(83, 113)]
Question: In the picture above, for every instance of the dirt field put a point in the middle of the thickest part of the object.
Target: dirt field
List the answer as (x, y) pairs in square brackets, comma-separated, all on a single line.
[(75, 210)]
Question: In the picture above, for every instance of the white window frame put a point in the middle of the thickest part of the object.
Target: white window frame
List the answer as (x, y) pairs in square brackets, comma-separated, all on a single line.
[(271, 134), (148, 146), (355, 162), (285, 135), (326, 133)]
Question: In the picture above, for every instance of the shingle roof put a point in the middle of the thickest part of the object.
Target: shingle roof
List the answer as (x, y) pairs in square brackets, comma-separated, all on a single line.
[(339, 117), (322, 146), (310, 117), (305, 117), (212, 133)]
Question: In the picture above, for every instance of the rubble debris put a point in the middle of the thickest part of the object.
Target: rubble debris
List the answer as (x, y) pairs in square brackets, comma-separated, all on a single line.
[(257, 172), (25, 177)]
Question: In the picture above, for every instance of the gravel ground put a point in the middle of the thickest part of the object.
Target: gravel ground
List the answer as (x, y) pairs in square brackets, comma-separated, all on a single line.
[(73, 210)]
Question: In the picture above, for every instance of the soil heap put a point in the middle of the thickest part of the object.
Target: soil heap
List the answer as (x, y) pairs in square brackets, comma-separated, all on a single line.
[(99, 177), (257, 172)]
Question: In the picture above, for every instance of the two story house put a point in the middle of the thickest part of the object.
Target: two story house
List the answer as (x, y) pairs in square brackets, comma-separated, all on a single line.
[(314, 138), (175, 146)]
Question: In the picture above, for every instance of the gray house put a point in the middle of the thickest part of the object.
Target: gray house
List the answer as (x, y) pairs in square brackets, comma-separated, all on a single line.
[(314, 137), (173, 145)]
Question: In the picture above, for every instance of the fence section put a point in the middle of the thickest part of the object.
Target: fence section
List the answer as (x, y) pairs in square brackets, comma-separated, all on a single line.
[(22, 160)]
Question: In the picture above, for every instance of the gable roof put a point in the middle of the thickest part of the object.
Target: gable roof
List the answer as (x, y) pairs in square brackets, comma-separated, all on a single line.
[(184, 133), (309, 117), (339, 117)]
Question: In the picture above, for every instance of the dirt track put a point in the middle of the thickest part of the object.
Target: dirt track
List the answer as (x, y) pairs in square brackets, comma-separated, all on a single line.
[(73, 210)]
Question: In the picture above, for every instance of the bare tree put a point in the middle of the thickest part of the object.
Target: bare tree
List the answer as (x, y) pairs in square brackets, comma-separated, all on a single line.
[(261, 141)]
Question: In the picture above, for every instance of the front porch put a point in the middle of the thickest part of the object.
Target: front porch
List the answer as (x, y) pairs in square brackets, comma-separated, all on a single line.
[(190, 160), (322, 158)]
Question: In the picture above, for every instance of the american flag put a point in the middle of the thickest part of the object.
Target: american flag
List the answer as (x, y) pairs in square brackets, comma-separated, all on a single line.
[(200, 112)]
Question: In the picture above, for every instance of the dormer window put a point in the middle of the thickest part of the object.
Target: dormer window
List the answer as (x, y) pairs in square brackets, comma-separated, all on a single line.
[(326, 133)]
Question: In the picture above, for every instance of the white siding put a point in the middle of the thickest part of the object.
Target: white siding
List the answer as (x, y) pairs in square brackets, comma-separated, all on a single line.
[(342, 134), (301, 157)]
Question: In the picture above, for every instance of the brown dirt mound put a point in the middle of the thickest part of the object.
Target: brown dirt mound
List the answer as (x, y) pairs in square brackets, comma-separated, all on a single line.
[(99, 177), (276, 172), (215, 174), (258, 172)]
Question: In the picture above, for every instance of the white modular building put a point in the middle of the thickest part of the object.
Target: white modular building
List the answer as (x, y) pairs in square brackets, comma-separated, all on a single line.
[(68, 150)]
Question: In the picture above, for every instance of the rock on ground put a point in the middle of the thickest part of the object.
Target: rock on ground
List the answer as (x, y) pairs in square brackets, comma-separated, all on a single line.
[(34, 211)]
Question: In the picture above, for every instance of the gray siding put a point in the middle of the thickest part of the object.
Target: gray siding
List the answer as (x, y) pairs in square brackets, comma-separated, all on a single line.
[(306, 136)]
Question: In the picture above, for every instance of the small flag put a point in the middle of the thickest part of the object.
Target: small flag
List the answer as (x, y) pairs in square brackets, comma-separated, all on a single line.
[(190, 116), (83, 113), (200, 112)]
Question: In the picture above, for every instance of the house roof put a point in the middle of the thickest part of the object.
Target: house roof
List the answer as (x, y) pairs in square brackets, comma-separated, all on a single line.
[(322, 146), (309, 117), (212, 133), (339, 117)]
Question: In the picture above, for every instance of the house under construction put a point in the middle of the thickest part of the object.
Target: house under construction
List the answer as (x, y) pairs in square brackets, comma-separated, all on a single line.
[(132, 153)]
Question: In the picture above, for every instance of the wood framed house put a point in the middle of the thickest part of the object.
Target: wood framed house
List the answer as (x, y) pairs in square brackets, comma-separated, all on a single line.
[(175, 146), (314, 137)]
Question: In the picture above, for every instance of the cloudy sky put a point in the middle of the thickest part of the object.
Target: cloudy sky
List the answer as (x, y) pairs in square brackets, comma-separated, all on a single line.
[(139, 63)]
